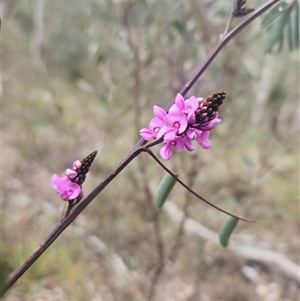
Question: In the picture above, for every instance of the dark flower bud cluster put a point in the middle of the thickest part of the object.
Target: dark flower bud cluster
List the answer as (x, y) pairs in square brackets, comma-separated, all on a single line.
[(69, 187), (208, 109), (241, 10)]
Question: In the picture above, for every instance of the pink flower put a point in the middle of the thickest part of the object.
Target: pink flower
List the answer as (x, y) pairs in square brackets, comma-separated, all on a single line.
[(177, 121), (188, 106), (166, 151), (203, 140), (187, 120), (159, 112), (66, 189), (154, 131)]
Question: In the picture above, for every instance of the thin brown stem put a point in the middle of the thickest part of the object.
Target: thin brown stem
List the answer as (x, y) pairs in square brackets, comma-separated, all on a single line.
[(192, 191)]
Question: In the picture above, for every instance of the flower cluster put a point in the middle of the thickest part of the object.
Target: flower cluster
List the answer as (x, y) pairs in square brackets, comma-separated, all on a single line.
[(69, 187), (186, 121)]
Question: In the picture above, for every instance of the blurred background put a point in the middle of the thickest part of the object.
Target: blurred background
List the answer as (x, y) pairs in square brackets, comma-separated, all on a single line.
[(80, 76)]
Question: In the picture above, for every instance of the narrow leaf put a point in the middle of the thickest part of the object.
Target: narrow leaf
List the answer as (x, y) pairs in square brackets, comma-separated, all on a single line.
[(226, 230), (274, 13), (290, 34), (164, 189), (280, 43), (296, 24), (277, 35)]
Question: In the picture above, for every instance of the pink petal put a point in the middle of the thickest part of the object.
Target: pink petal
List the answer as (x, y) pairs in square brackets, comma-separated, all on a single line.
[(191, 134), (174, 108), (147, 134), (191, 118), (156, 123), (166, 151), (179, 101), (177, 120), (191, 105), (55, 180), (70, 192), (159, 112), (203, 140), (168, 133), (76, 191), (63, 182), (207, 127), (188, 144), (178, 144)]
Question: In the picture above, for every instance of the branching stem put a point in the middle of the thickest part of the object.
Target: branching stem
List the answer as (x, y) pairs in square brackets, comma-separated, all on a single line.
[(230, 18), (135, 151)]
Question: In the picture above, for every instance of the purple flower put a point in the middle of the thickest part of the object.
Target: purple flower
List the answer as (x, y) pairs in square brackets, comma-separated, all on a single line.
[(66, 189), (188, 106), (154, 131), (200, 136), (177, 121), (159, 112), (203, 140), (186, 121), (157, 125), (177, 144)]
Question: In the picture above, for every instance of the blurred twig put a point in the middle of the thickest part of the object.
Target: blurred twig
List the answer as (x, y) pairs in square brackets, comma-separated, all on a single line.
[(230, 18)]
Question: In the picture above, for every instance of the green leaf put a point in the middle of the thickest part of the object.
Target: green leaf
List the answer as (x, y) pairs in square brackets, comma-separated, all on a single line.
[(164, 189), (290, 34), (274, 13), (296, 24), (226, 230), (277, 35)]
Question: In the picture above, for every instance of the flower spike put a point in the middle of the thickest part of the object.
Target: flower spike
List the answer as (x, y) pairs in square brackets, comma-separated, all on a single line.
[(187, 120), (69, 187), (84, 168)]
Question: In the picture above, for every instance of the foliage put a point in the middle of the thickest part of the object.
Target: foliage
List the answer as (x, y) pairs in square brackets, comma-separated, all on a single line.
[(285, 19)]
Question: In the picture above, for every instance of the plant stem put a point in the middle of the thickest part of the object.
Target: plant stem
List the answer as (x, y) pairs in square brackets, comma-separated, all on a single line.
[(192, 191), (135, 151), (229, 21)]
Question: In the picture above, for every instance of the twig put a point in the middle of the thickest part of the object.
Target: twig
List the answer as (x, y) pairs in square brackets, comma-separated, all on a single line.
[(230, 18), (135, 151), (192, 191)]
